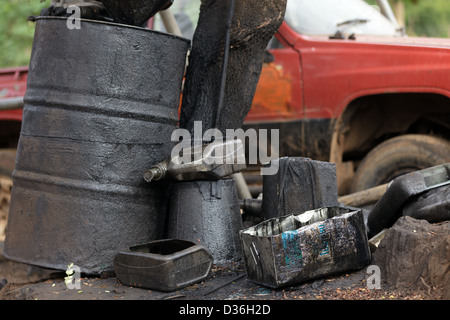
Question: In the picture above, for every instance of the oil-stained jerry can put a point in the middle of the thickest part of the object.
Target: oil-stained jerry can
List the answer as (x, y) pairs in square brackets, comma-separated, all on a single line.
[(164, 265), (300, 184)]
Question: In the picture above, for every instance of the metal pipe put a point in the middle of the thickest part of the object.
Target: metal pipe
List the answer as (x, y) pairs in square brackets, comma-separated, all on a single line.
[(364, 197), (241, 185), (225, 62), (386, 10), (11, 103), (170, 23), (252, 207)]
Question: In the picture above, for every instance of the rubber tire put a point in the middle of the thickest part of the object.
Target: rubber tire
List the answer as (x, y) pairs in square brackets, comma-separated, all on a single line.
[(398, 156), (7, 161)]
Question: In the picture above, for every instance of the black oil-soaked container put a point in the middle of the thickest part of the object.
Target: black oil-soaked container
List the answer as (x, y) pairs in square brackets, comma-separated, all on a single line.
[(100, 107), (300, 184), (164, 265), (300, 247), (207, 213)]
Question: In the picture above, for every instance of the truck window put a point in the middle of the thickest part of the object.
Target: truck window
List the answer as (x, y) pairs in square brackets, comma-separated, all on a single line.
[(326, 17)]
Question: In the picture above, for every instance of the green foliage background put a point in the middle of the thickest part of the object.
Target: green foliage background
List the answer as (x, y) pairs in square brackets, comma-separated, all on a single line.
[(16, 33), (423, 18), (428, 18)]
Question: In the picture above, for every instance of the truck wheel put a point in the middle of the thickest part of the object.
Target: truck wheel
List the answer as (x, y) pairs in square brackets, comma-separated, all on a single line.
[(7, 161), (398, 156)]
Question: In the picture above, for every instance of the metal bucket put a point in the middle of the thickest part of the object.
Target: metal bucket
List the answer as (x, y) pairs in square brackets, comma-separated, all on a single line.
[(207, 213), (100, 107)]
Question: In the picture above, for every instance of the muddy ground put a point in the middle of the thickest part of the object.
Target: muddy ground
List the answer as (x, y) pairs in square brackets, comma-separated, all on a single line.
[(227, 282)]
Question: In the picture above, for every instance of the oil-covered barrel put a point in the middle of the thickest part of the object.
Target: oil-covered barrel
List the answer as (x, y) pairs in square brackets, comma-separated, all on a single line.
[(100, 106)]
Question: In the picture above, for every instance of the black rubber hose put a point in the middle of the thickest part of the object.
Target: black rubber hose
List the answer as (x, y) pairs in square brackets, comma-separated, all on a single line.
[(225, 62)]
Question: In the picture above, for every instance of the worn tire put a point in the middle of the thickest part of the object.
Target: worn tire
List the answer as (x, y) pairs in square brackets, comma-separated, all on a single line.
[(398, 156), (7, 161)]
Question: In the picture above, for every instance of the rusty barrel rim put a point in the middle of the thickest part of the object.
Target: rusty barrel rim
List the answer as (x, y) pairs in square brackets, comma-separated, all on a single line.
[(114, 24)]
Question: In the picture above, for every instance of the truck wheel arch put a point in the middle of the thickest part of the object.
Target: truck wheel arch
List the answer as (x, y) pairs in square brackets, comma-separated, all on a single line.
[(400, 155), (9, 137), (368, 121)]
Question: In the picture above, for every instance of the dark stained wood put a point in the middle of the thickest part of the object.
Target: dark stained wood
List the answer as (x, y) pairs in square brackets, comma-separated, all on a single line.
[(254, 23)]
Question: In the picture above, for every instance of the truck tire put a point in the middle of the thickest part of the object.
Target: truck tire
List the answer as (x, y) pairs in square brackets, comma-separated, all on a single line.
[(397, 156), (7, 161)]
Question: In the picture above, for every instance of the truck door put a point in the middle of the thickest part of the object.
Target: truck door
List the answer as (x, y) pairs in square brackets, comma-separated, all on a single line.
[(278, 100)]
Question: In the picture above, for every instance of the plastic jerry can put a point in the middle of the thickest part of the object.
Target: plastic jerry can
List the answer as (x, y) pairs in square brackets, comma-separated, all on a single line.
[(164, 265)]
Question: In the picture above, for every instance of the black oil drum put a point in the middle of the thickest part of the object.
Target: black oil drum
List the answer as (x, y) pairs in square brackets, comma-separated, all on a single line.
[(100, 106)]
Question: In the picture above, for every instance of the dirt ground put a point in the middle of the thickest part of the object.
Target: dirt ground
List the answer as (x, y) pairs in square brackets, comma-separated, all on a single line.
[(224, 283), (5, 197)]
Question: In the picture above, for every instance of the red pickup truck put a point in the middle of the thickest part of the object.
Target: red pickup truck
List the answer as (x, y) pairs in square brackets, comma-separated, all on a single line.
[(342, 84), (346, 86)]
